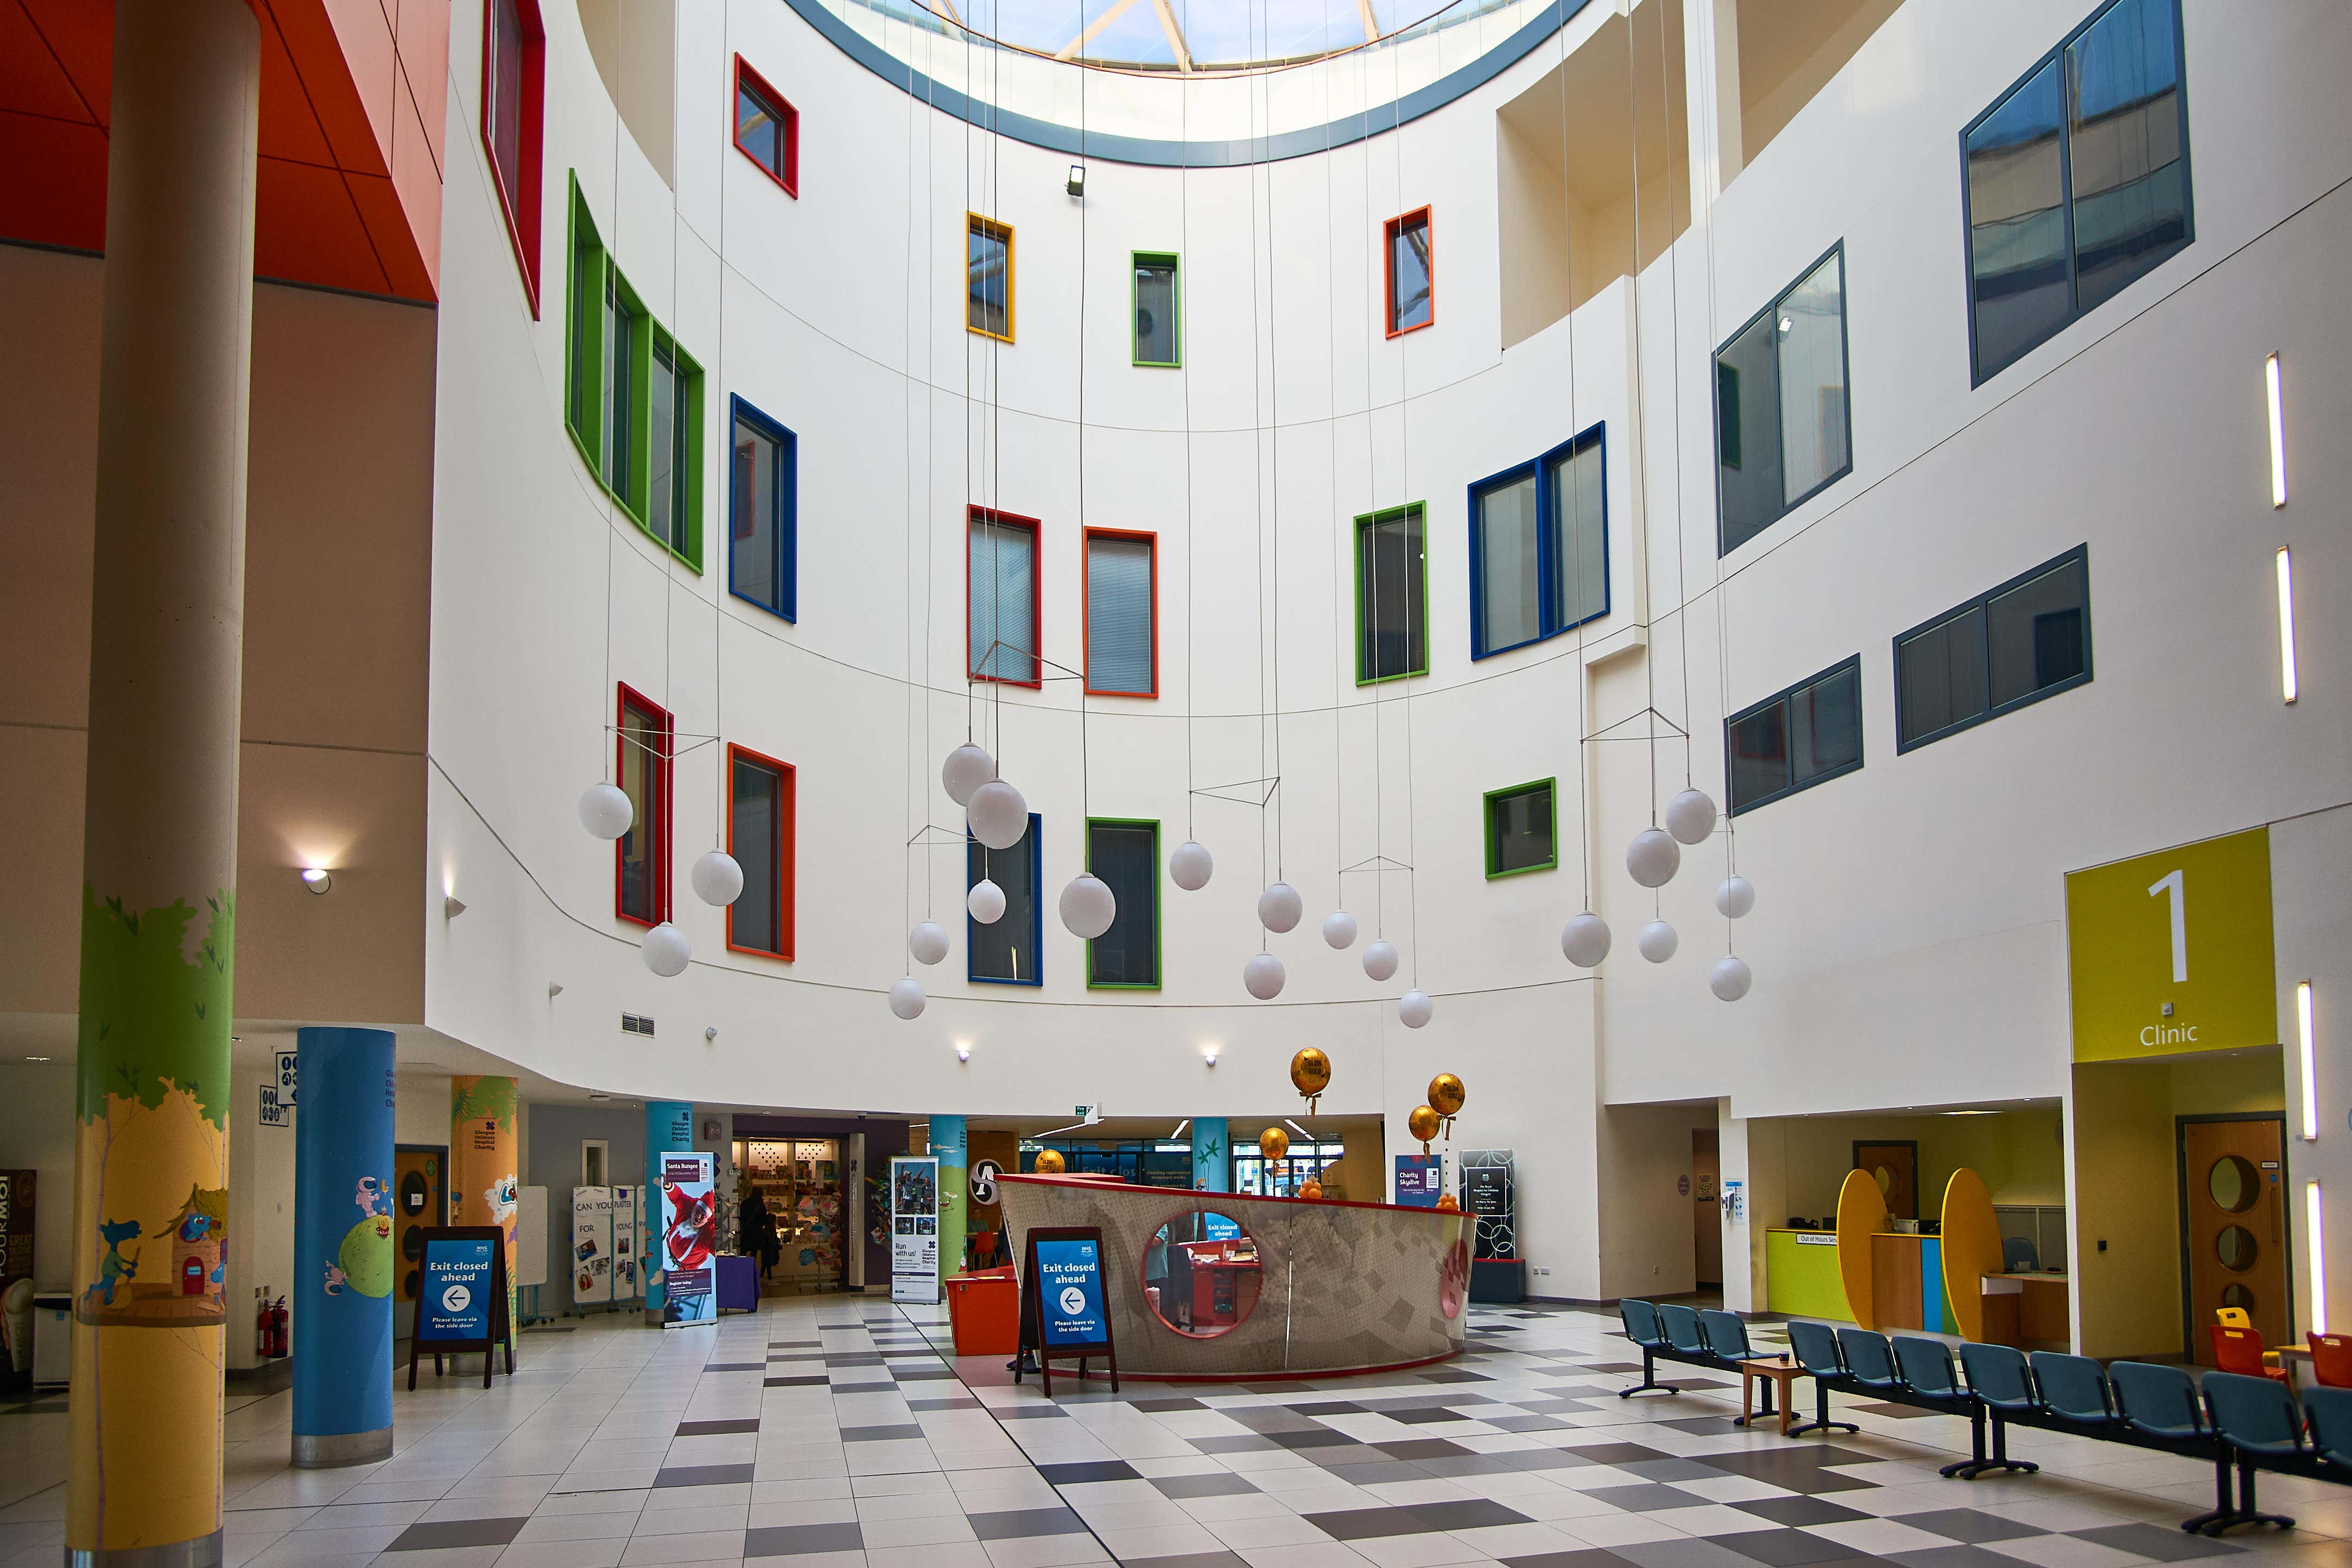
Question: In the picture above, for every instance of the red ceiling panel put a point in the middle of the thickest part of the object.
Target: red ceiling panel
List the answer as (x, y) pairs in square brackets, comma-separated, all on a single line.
[(32, 80), (52, 182), (289, 127), (80, 34), (314, 233)]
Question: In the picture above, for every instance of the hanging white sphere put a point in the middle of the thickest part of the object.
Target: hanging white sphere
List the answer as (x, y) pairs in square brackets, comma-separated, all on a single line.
[(1262, 976), (968, 768), (1584, 941), (1731, 979), (1339, 929), (929, 941), (1279, 907), (1190, 866), (605, 811), (1088, 906), (667, 950), (717, 879), (1380, 960), (1690, 816), (1657, 942), (1413, 1008), (1653, 858), (907, 998), (998, 814), (1735, 898), (985, 902)]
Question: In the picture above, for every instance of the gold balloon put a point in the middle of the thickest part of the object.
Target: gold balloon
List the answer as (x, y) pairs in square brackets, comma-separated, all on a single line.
[(1422, 1124), (1311, 1071), (1446, 1205), (1274, 1143), (1050, 1162), (1310, 1189), (1446, 1093)]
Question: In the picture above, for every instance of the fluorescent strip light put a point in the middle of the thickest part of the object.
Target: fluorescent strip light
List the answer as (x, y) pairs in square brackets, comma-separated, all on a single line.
[(1299, 1130), (2310, 1064), (1181, 1126), (2319, 1251), (2278, 435), (2287, 682)]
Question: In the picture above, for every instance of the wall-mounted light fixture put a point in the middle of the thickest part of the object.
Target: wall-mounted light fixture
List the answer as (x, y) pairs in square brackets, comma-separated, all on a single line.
[(316, 879), (452, 907), (2288, 685), (2278, 431), (554, 989), (2310, 1063), (1210, 1056), (2312, 1218), (1077, 183), (709, 1034), (963, 1052)]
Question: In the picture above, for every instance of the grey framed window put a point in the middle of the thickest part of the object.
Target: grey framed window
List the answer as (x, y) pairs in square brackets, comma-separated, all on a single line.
[(1007, 952), (1521, 835), (1157, 342), (1783, 431), (1539, 547), (1392, 596), (2026, 640), (1795, 738), (2076, 181), (1125, 856)]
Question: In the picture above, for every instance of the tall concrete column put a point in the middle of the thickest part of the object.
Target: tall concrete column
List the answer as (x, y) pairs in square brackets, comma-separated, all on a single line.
[(484, 1154), (343, 1260), (158, 846), (1711, 83), (950, 1145), (1213, 1168), (669, 1130)]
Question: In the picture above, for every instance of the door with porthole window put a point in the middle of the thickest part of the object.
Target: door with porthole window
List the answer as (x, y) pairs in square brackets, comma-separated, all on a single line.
[(2234, 1225)]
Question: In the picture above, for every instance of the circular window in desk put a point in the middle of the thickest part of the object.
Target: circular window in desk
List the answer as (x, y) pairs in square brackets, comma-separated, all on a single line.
[(2235, 1248), (1201, 1274)]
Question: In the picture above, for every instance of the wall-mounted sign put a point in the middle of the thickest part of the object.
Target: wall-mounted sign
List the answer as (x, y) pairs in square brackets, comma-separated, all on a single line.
[(984, 1182), (2171, 952), (1420, 1179), (285, 1060), (275, 1112)]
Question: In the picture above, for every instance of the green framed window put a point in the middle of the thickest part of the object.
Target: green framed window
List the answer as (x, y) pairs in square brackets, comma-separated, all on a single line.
[(1125, 853), (1159, 327), (674, 450), (1392, 595), (1522, 829)]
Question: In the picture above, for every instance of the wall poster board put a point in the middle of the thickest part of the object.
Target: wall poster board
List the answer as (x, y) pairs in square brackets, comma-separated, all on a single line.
[(914, 1228), (689, 1237), (462, 1305), (1420, 1179), (1064, 1311)]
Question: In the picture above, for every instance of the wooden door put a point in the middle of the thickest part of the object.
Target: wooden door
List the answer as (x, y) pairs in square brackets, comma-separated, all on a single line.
[(2233, 1175), (420, 1201), (1896, 1167), (1706, 1213)]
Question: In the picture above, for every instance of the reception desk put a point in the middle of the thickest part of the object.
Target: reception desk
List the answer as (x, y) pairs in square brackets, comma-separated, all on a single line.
[(1802, 1279), (1215, 1286), (2028, 1311)]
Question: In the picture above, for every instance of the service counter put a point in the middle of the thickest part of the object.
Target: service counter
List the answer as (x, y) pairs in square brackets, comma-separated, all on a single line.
[(1215, 1285), (1802, 1279)]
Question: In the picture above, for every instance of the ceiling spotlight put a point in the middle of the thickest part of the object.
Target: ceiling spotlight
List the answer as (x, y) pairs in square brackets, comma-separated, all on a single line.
[(1077, 183), (316, 878)]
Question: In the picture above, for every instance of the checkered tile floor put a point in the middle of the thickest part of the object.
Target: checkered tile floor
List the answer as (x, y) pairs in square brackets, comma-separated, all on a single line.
[(834, 1433)]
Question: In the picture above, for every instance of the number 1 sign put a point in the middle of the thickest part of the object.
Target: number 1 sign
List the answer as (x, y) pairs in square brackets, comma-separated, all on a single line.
[(2171, 952)]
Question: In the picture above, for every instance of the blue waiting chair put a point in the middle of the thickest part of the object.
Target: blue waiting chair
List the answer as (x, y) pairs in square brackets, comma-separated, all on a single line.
[(1868, 1360), (2259, 1418), (2160, 1401), (1927, 1370), (2330, 1412), (1644, 1329), (2074, 1387), (1681, 1325), (1727, 1339), (1816, 1349), (2019, 1255)]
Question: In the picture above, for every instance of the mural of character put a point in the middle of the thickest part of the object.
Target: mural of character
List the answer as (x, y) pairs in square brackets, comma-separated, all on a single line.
[(114, 1267), (364, 1261), (500, 1197)]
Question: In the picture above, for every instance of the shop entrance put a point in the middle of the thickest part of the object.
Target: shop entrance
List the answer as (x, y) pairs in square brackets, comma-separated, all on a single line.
[(2233, 1228), (793, 1210)]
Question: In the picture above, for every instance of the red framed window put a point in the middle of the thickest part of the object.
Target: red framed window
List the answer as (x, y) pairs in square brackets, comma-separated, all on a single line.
[(762, 818), (767, 129), (1122, 613), (1002, 595), (1411, 291), (514, 79), (647, 751)]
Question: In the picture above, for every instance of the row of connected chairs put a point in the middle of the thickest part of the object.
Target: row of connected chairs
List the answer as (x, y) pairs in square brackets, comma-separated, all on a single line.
[(1695, 1337)]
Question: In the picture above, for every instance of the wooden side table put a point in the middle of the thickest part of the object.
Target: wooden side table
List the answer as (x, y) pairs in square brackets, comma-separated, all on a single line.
[(1779, 1376)]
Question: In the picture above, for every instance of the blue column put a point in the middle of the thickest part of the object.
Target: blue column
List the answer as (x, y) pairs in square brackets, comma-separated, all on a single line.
[(947, 1143), (1213, 1166), (669, 1130), (343, 1260)]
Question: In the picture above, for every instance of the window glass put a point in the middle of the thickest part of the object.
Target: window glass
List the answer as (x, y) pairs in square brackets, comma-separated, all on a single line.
[(1520, 830), (1119, 616), (1747, 390), (1812, 329), (619, 330), (2124, 146), (758, 127), (988, 280), (1760, 754), (1579, 535), (754, 514), (1003, 609), (1125, 856), (1800, 737), (643, 753), (2017, 223), (755, 838), (587, 319), (665, 409), (1155, 310), (1007, 949), (2037, 633), (1410, 303), (1510, 576), (1389, 596), (1940, 674), (503, 78)]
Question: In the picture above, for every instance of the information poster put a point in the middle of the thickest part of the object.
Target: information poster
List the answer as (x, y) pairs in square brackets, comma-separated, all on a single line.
[(592, 1245), (1070, 1294), (914, 1228), (1420, 1179), (454, 1303), (1486, 1193), (689, 1237)]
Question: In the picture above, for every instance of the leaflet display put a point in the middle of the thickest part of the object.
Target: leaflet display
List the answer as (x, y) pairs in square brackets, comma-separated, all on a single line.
[(915, 1228), (689, 1237)]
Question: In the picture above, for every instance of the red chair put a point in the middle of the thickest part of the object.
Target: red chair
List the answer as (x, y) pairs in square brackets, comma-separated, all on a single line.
[(2241, 1351), (2331, 1359)]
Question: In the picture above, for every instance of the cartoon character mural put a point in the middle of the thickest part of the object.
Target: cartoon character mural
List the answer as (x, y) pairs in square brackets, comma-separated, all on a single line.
[(364, 1261), (114, 1267)]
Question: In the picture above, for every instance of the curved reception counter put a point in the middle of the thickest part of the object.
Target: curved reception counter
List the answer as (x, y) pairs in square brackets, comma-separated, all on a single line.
[(1215, 1285)]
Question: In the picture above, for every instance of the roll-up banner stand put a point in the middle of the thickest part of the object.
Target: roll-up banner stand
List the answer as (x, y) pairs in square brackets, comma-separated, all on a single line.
[(689, 1236), (915, 1228), (462, 1300)]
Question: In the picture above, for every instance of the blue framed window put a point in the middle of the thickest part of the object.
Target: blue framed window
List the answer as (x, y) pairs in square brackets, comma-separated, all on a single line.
[(763, 513), (1539, 547), (1783, 429), (1007, 952), (2075, 183), (2024, 641), (1794, 740)]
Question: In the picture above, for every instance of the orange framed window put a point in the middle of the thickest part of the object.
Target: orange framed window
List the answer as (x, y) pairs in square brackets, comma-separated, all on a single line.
[(1122, 613), (767, 129), (646, 747), (1411, 279), (514, 85), (988, 277), (762, 823)]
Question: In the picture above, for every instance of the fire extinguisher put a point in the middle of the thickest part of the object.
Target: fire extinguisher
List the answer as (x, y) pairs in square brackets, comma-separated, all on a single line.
[(279, 1322), (261, 1320)]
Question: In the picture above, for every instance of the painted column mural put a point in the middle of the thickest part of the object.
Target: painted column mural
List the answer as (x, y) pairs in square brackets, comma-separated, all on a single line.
[(669, 1130), (343, 1260), (950, 1147), (482, 1160), (1211, 1171)]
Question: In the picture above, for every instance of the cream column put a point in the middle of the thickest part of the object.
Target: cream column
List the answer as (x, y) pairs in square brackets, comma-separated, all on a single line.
[(159, 849), (1711, 75)]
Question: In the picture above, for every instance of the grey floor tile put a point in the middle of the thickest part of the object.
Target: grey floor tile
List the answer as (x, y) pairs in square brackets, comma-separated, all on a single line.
[(1365, 1523), (703, 1476), (801, 1540), (1796, 1511), (895, 1432), (1786, 1548), (428, 1535), (1087, 1470), (1469, 1513), (1974, 1524), (1013, 1523), (1214, 1484), (716, 1429), (2155, 1540)]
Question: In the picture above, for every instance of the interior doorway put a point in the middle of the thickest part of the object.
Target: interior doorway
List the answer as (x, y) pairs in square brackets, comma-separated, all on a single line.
[(420, 1203), (1895, 1166), (1707, 1211), (2233, 1228)]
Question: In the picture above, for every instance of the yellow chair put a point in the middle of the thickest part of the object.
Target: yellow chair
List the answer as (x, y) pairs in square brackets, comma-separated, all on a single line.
[(2233, 1318)]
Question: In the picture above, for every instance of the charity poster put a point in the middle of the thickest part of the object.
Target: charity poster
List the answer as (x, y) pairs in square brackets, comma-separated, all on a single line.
[(454, 1303), (592, 1245), (1420, 1179), (914, 1228), (690, 1237), (483, 1146), (1070, 1295)]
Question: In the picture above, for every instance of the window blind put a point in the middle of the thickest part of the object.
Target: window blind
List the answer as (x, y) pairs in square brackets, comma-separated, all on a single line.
[(1003, 613), (1119, 616)]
